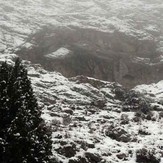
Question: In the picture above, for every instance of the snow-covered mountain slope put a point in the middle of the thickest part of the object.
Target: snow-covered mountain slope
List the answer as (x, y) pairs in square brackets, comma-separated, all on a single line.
[(90, 123), (95, 121), (153, 91), (124, 34), (140, 18)]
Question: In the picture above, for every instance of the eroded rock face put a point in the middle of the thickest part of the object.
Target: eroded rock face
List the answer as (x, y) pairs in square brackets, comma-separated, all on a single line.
[(101, 39), (108, 56)]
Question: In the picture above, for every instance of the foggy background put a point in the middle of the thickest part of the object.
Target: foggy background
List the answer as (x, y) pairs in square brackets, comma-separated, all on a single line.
[(112, 40)]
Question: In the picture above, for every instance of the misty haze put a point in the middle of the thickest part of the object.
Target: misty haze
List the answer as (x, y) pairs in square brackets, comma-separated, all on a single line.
[(81, 81)]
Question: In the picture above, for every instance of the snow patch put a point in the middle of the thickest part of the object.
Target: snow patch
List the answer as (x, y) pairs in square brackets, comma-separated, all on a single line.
[(60, 53)]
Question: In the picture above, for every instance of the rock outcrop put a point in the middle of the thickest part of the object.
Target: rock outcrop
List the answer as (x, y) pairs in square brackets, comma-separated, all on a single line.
[(115, 40), (88, 120), (112, 57)]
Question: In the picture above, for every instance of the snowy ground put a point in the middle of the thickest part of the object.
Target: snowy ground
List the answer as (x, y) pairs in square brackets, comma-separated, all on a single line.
[(60, 53), (88, 121), (154, 90), (84, 110), (138, 18)]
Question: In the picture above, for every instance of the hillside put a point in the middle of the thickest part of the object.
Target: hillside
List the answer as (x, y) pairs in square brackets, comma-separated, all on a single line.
[(96, 68), (95, 121), (120, 40)]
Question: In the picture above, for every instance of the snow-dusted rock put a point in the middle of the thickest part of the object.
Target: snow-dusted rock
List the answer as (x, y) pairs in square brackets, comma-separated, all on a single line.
[(86, 132), (60, 34)]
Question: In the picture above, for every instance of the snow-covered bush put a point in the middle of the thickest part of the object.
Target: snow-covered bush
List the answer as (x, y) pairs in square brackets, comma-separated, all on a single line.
[(118, 133), (134, 101), (146, 156), (148, 116), (143, 132), (120, 93), (124, 119), (161, 115)]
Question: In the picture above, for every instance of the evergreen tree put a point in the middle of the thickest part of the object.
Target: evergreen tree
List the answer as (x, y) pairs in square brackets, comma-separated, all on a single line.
[(4, 99), (28, 139), (4, 109)]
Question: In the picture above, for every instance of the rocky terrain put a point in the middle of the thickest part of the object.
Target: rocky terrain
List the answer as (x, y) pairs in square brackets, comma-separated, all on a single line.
[(118, 41), (76, 53), (95, 121)]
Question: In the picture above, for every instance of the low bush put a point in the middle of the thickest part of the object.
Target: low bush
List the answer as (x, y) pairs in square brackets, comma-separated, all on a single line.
[(146, 156)]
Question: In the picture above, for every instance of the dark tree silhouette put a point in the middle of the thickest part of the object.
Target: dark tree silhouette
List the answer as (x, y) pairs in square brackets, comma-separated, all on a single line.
[(28, 140), (4, 106)]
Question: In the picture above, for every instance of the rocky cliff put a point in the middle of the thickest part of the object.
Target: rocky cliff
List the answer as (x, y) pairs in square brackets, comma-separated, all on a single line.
[(95, 121), (115, 41), (106, 56)]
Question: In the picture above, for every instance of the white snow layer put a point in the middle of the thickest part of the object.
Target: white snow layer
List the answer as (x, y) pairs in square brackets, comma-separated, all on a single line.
[(60, 53)]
